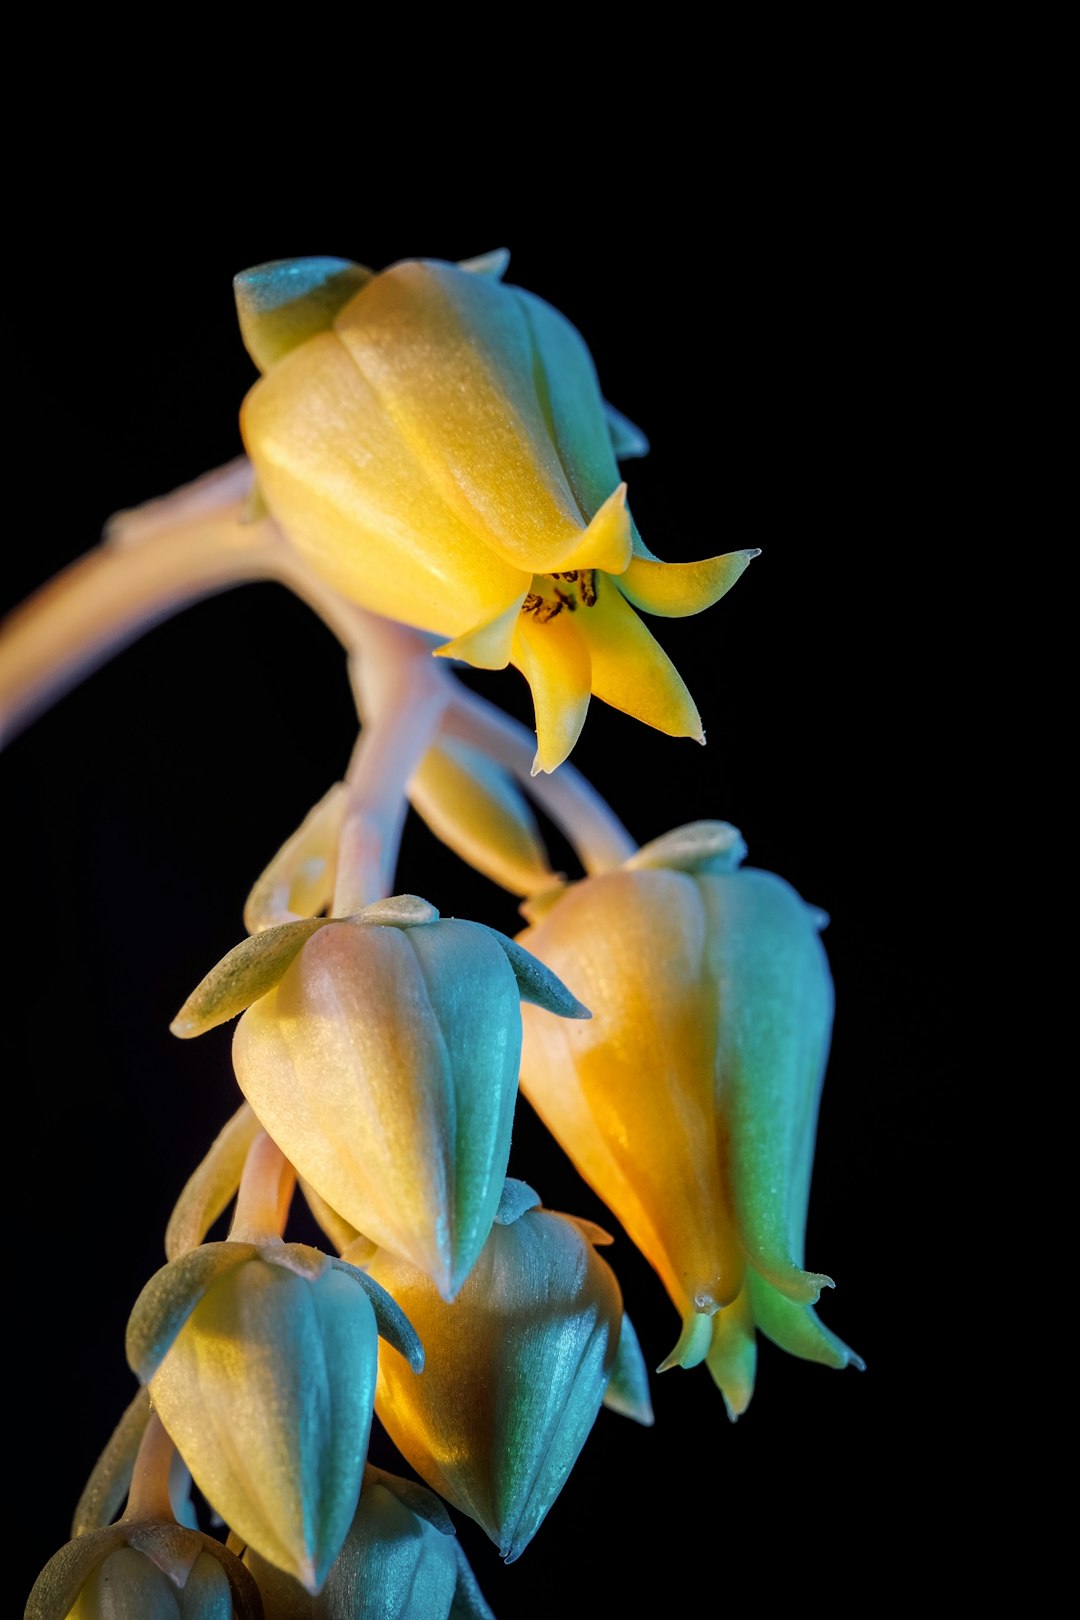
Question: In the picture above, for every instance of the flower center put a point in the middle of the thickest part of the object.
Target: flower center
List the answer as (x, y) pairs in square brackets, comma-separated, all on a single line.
[(551, 593)]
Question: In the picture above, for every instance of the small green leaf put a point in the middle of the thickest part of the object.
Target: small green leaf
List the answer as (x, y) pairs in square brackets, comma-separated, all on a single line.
[(104, 1492), (700, 846), (170, 1297), (393, 1324), (213, 1185), (537, 983), (282, 304), (628, 1387), (250, 970), (516, 1198)]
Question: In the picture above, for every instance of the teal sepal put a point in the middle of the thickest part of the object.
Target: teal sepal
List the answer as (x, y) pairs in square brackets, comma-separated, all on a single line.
[(57, 1588), (207, 1593), (515, 1199), (627, 440), (494, 265), (417, 1498), (798, 1329), (537, 983), (628, 1387), (282, 304), (170, 1297), (394, 1326), (104, 1492), (700, 846), (250, 970), (469, 1603)]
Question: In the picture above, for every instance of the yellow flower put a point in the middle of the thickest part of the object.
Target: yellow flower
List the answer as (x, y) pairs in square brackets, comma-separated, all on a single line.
[(437, 446), (689, 1102), (380, 1053), (515, 1370)]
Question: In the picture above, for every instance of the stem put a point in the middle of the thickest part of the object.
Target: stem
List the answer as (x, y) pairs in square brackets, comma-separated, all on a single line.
[(266, 1187), (401, 693), (574, 805), (149, 1496), (153, 562)]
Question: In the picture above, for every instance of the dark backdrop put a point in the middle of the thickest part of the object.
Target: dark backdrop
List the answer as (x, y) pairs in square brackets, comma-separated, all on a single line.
[(762, 343)]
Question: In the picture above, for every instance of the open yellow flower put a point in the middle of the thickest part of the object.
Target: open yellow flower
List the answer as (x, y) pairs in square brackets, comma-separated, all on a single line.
[(689, 1102), (437, 446)]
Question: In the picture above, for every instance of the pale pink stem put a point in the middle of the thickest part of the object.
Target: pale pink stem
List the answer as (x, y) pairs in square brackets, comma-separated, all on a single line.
[(266, 1187), (148, 1497)]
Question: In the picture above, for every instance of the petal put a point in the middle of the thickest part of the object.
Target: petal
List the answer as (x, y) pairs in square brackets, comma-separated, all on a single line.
[(554, 659), (797, 1328), (630, 670), (57, 1588), (284, 303), (487, 645), (476, 808), (732, 1357), (494, 264), (299, 881), (677, 590), (628, 1388)]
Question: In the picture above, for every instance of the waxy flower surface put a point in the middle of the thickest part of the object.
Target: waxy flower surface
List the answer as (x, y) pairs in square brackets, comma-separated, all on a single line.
[(515, 1370), (436, 445), (690, 1100)]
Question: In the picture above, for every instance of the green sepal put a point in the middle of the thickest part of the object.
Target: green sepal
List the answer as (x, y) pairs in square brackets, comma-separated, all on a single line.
[(212, 1187), (394, 1326), (598, 1236), (417, 1498), (515, 1200), (104, 1492), (57, 1588), (302, 1259), (797, 1328), (250, 970), (628, 1387), (700, 846), (170, 1297), (398, 911), (537, 983), (172, 1548), (283, 303), (627, 439), (469, 1602), (494, 265)]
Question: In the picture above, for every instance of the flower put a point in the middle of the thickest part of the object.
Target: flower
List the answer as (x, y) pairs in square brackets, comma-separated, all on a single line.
[(436, 445), (690, 1100), (515, 1369), (143, 1567), (381, 1055), (401, 1561), (260, 1359)]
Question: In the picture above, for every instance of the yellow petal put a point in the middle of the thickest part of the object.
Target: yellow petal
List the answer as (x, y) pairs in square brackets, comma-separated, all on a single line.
[(607, 543), (476, 808), (487, 645), (555, 661), (677, 590), (732, 1357), (630, 670)]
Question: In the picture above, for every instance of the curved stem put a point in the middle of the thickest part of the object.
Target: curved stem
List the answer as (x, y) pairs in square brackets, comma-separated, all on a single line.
[(149, 1496), (574, 805), (266, 1187)]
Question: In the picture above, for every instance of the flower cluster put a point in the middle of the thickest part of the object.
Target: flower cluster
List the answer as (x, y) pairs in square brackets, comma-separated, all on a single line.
[(431, 463)]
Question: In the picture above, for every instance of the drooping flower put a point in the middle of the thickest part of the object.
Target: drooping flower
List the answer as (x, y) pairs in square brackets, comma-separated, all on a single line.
[(260, 1359), (401, 1561), (381, 1055), (515, 1369), (437, 446), (690, 1100)]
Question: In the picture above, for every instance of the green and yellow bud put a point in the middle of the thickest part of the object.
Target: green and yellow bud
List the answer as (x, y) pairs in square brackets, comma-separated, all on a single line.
[(437, 446), (261, 1363), (144, 1569), (690, 1100), (515, 1371)]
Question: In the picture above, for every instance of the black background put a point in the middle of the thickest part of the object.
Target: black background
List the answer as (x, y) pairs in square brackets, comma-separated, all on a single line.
[(765, 338)]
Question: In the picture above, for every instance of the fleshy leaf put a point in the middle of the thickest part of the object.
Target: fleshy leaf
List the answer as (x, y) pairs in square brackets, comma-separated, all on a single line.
[(475, 807), (494, 264), (104, 1492), (536, 982), (247, 972), (394, 1326), (213, 1185), (627, 439), (515, 1198), (678, 590), (170, 1297), (628, 1387), (700, 846), (399, 911), (299, 881), (285, 302)]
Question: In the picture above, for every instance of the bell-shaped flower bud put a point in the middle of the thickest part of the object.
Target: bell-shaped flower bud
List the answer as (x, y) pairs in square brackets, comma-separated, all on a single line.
[(437, 446), (144, 1569), (261, 1362), (401, 1561), (515, 1368), (381, 1054), (690, 1100)]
